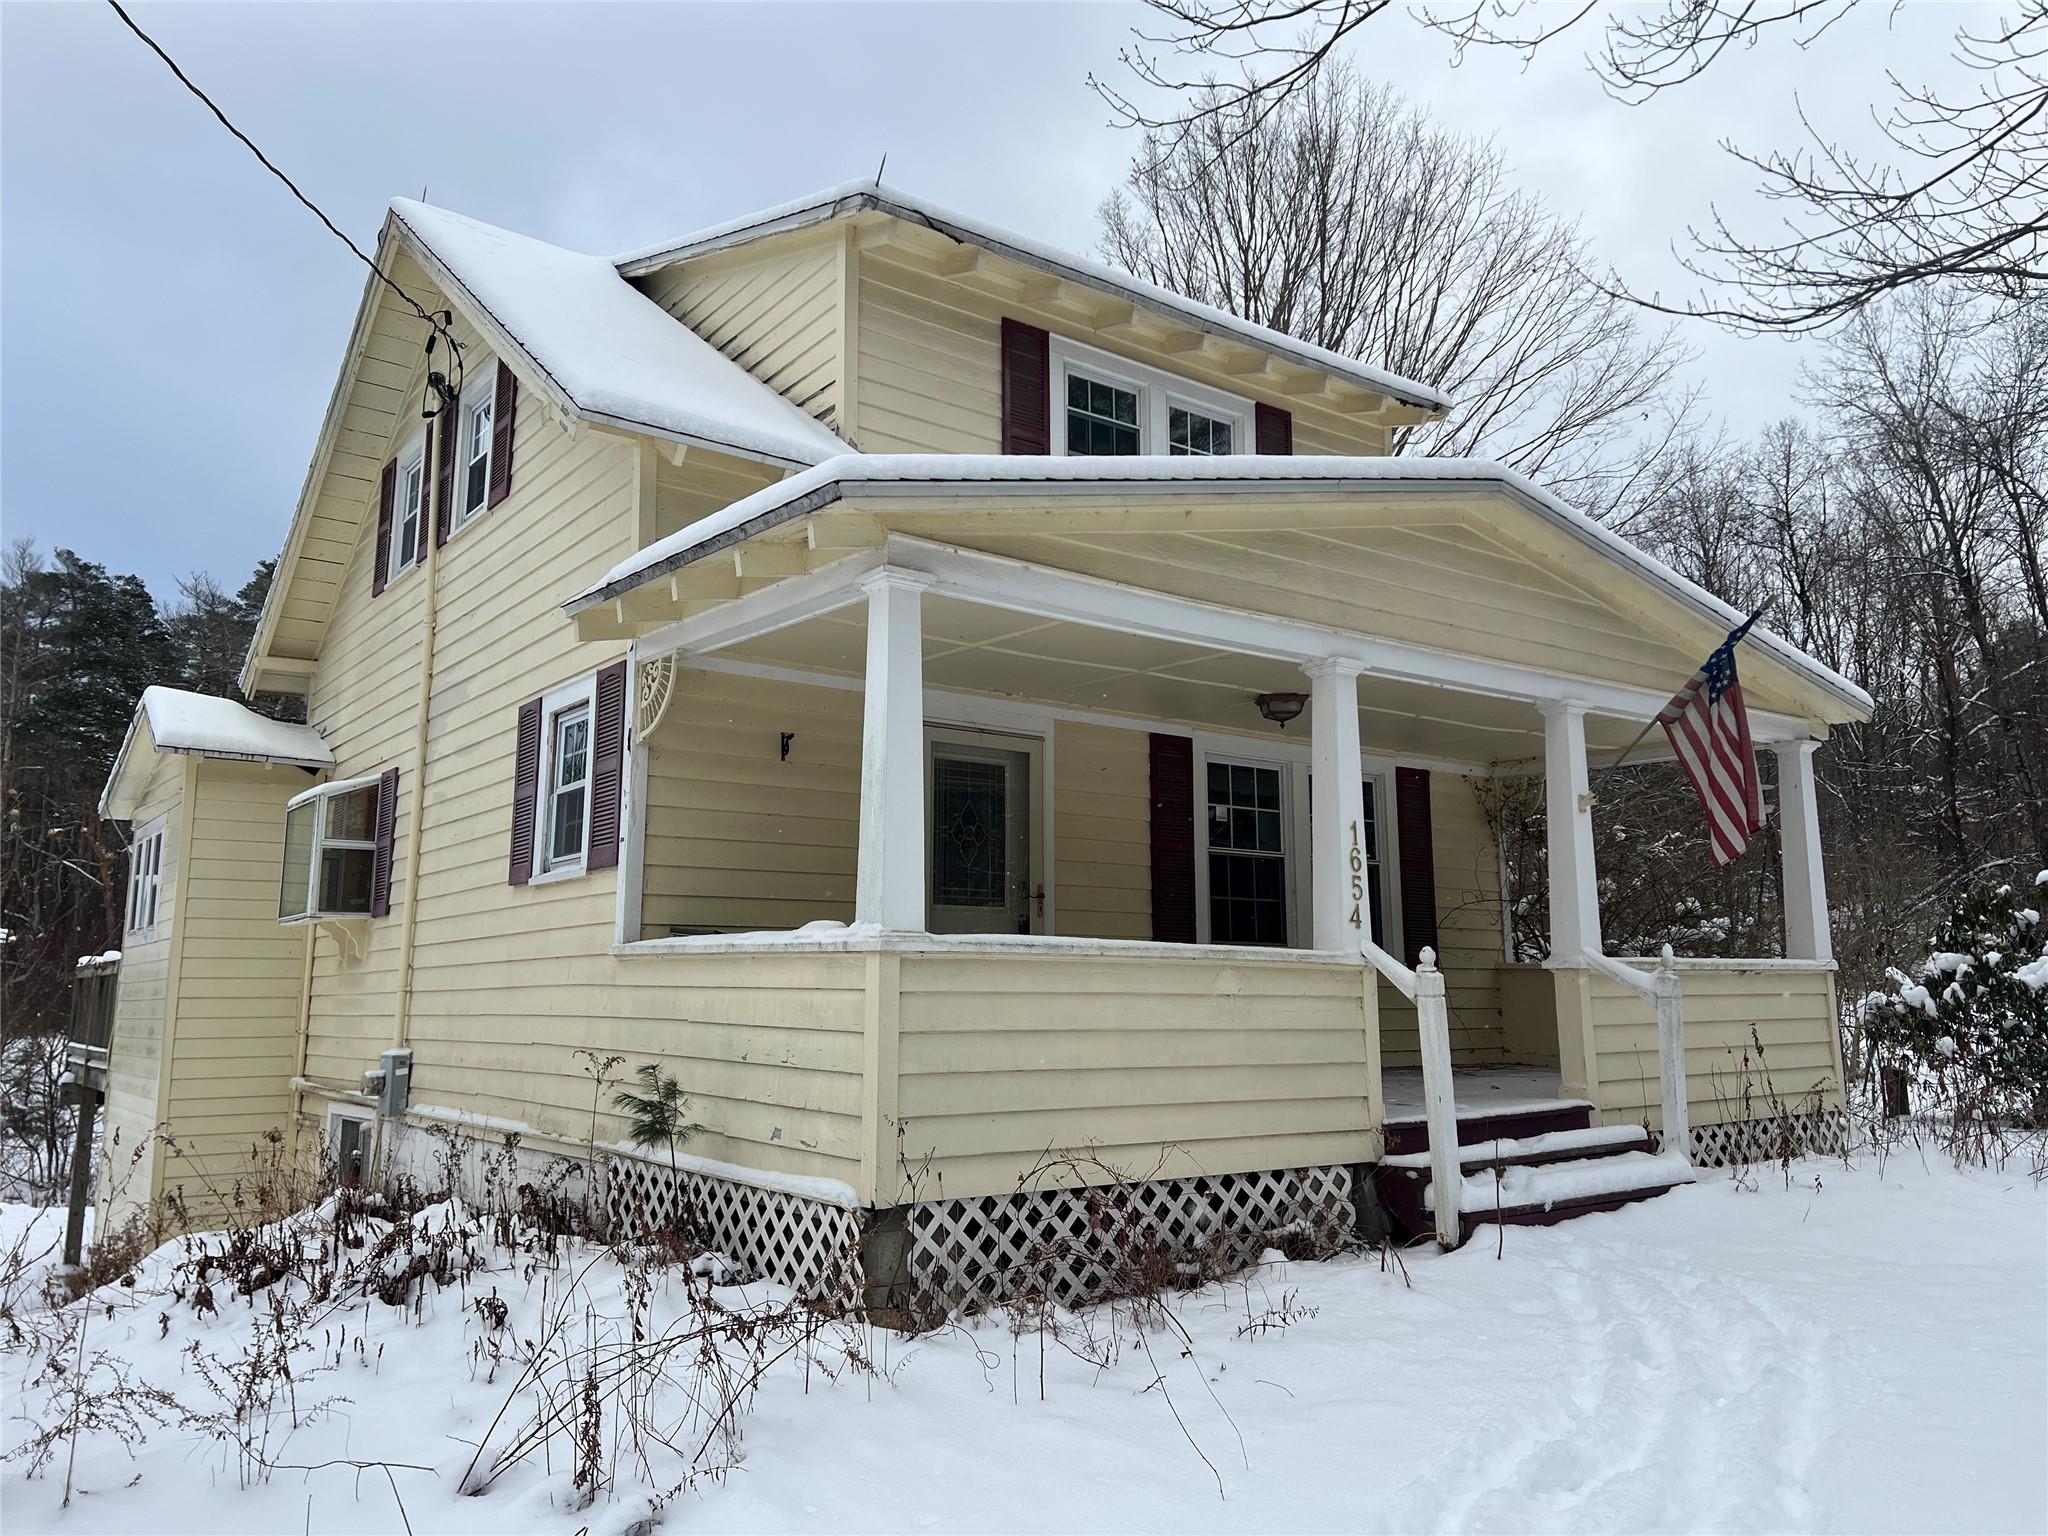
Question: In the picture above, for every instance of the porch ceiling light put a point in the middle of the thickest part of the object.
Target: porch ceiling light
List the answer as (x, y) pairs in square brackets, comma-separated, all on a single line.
[(1281, 707)]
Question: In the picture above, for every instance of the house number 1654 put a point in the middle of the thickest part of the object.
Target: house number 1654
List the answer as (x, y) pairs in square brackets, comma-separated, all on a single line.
[(1357, 879)]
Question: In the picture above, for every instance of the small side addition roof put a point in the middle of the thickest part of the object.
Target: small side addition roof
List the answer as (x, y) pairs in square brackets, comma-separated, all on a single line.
[(173, 722)]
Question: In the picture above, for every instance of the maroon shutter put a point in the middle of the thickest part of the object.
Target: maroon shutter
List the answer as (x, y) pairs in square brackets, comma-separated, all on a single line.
[(1273, 429), (387, 492), (1173, 839), (1027, 402), (444, 471), (607, 766), (525, 791), (1418, 861), (387, 829), (504, 412)]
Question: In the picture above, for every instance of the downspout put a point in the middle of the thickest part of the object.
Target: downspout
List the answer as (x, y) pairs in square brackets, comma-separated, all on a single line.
[(297, 1095), (416, 800)]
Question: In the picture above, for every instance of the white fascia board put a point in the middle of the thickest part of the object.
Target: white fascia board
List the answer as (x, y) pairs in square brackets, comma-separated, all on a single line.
[(997, 581), (825, 590)]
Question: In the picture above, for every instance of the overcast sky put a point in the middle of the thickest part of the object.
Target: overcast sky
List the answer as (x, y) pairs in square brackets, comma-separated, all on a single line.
[(173, 322)]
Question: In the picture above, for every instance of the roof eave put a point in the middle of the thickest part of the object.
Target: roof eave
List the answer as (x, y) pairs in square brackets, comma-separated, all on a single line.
[(1406, 392)]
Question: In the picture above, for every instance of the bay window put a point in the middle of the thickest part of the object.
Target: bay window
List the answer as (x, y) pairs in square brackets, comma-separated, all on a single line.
[(330, 852)]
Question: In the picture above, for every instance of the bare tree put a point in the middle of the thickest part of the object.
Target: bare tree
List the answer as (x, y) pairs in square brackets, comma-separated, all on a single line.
[(1346, 217), (1966, 200)]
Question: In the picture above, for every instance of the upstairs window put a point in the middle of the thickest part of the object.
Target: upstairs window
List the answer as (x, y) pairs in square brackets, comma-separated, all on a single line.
[(332, 851), (1115, 407), (473, 447), (145, 881), (408, 520)]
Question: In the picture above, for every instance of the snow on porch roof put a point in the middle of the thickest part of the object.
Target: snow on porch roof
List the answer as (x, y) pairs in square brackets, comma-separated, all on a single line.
[(203, 725), (858, 196), (613, 354), (998, 474)]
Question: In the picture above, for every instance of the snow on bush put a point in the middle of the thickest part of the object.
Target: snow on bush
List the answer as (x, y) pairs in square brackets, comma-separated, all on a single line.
[(1977, 1006)]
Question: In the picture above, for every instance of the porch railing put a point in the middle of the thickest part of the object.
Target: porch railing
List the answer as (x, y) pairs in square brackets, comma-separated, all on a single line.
[(1424, 987), (1666, 991)]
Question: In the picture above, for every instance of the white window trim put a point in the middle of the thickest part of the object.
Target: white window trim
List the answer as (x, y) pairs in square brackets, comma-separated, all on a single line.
[(568, 696), (1294, 835), (1381, 771), (153, 882), (315, 914), (1157, 391), (415, 451), (482, 388)]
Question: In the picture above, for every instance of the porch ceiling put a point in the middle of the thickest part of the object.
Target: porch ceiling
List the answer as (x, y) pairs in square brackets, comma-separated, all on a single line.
[(973, 649)]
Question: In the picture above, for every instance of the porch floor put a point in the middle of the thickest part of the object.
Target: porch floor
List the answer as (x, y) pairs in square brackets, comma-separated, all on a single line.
[(1479, 1091)]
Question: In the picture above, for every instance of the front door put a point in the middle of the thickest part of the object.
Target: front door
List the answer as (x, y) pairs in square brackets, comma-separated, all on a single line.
[(979, 789)]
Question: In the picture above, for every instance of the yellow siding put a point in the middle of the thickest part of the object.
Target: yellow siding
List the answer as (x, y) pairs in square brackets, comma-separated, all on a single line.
[(1158, 1066), (1102, 832), (739, 838), (704, 483), (1469, 938), (929, 379), (236, 1036), (774, 310), (1727, 1010), (130, 1160)]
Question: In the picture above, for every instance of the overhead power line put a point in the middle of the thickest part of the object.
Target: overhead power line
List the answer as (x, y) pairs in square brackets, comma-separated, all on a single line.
[(271, 166)]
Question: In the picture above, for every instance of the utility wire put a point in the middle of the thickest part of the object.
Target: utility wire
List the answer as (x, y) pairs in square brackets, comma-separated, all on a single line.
[(269, 165)]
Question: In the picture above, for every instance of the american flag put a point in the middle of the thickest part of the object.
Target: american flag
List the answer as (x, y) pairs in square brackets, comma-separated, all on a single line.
[(1709, 730)]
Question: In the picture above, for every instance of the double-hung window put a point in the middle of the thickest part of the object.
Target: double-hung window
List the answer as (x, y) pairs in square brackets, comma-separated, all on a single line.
[(330, 852), (1115, 407), (1375, 880), (473, 446), (145, 881), (408, 516), (1247, 849), (564, 822)]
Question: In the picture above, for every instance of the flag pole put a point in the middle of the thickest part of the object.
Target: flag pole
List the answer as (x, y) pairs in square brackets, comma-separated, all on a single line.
[(1739, 633)]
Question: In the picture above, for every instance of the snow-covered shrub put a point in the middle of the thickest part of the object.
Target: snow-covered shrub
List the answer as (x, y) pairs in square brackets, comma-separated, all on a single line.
[(1976, 1009)]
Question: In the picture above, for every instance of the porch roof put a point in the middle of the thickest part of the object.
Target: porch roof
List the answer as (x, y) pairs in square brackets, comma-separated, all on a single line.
[(175, 722), (981, 476)]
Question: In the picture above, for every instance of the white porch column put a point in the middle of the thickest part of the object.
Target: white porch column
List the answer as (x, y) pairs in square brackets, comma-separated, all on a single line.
[(890, 885), (1806, 891), (1574, 893), (1337, 807)]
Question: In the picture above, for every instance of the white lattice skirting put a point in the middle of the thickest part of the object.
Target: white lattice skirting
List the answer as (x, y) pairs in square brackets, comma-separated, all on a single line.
[(811, 1246), (1821, 1133), (1079, 1245)]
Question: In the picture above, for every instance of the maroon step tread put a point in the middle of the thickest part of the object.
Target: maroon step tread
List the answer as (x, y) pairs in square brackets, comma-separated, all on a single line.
[(1401, 1189), (1560, 1210), (1411, 1134)]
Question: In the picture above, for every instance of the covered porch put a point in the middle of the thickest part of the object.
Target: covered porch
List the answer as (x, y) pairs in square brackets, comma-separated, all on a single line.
[(1094, 896)]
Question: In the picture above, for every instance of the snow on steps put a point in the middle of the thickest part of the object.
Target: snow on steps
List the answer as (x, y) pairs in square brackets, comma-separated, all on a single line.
[(1522, 1188), (1545, 1147)]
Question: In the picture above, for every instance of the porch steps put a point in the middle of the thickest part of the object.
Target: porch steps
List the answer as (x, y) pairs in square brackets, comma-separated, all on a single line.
[(1526, 1165)]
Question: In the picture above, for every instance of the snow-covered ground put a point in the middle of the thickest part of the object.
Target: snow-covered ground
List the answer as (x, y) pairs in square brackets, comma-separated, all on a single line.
[(1864, 1352)]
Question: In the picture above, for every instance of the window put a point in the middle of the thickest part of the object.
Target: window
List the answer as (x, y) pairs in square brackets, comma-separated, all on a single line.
[(408, 517), (473, 447), (1375, 882), (330, 852), (1247, 853), (566, 787), (1117, 407), (145, 880), (1191, 433), (1101, 417)]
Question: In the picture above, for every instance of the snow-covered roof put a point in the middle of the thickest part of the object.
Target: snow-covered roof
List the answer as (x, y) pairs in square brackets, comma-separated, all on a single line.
[(997, 474), (172, 721), (860, 196), (612, 353)]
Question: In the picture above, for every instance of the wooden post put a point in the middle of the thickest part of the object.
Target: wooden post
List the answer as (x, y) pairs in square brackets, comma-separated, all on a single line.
[(81, 1173), (1446, 1168), (1568, 818), (889, 885), (1337, 789), (1670, 1000), (1806, 887)]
